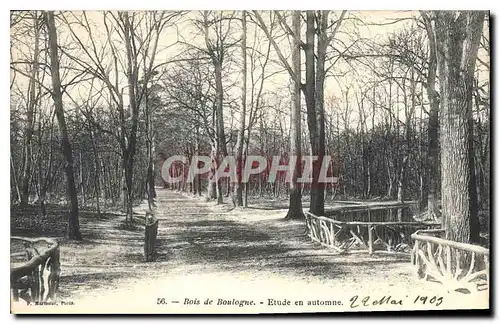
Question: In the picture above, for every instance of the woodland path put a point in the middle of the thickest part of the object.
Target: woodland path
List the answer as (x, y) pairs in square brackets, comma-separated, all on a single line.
[(209, 251)]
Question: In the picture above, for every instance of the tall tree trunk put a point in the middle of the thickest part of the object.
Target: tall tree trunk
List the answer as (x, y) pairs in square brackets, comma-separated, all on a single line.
[(369, 169), (457, 38), (247, 184), (433, 150), (221, 137), (73, 224), (150, 140), (318, 187), (362, 135), (132, 140), (216, 53), (315, 205), (390, 187), (403, 177), (295, 205), (423, 163), (238, 186)]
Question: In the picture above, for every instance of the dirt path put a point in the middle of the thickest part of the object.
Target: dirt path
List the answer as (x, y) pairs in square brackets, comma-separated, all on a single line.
[(208, 251)]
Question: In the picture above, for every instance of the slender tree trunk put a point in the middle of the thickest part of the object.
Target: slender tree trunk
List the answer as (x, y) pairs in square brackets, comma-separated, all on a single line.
[(197, 152), (362, 134), (196, 187), (97, 174), (218, 182), (424, 174), (150, 174), (211, 187), (73, 223), (433, 150), (32, 101), (150, 180), (404, 163), (14, 179), (82, 185), (247, 184), (132, 141), (388, 158), (221, 137), (238, 186), (369, 175)]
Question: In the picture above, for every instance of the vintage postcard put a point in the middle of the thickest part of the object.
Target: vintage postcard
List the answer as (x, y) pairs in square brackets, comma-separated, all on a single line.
[(249, 162)]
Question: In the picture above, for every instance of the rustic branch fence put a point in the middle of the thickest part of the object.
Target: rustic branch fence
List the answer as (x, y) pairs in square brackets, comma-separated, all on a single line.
[(458, 266), (34, 268), (400, 212), (344, 231), (150, 238)]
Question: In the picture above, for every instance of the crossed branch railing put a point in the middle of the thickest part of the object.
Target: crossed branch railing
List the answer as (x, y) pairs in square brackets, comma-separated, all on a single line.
[(340, 235), (28, 279), (458, 266)]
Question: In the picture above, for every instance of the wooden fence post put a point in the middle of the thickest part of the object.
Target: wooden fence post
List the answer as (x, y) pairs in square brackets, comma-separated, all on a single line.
[(150, 235), (370, 239)]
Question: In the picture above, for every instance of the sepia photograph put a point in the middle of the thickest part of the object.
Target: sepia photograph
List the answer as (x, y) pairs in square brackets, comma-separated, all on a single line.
[(249, 161)]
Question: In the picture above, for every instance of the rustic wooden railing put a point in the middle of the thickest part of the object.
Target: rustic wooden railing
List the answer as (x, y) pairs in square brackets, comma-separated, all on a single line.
[(150, 235), (365, 235), (400, 212), (33, 269), (458, 266)]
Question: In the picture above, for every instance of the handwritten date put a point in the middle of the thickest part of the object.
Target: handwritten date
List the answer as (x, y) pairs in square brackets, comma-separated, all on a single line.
[(434, 300), (367, 301)]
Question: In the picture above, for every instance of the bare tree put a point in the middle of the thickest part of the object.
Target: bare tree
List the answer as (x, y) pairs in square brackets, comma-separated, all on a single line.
[(140, 51), (295, 205), (73, 223), (32, 102), (219, 26)]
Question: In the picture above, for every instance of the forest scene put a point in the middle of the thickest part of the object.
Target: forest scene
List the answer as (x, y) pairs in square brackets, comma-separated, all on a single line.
[(163, 154)]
